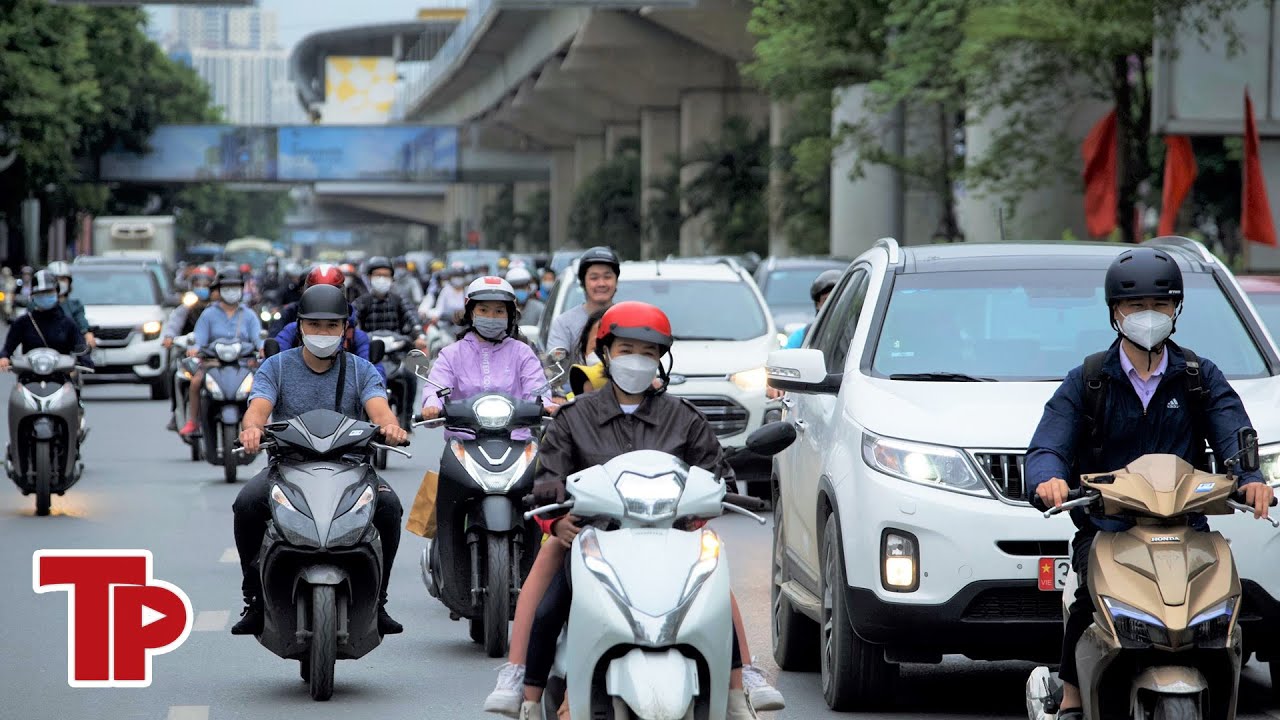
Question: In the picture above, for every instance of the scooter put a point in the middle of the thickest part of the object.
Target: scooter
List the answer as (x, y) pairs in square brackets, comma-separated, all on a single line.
[(228, 380), (321, 559), (46, 426), (483, 549), (402, 386), (650, 638), (184, 368), (440, 334), (1165, 642)]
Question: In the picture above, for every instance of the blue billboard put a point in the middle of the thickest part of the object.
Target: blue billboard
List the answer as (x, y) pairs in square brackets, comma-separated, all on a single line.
[(197, 153)]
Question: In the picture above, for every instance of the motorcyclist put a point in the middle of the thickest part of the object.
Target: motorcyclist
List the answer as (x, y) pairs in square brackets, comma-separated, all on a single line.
[(1143, 395), (230, 318), (357, 340), (71, 306), (819, 291), (436, 278), (589, 375), (598, 270), (310, 374), (250, 286), (295, 278), (46, 325), (628, 414), (452, 299), (406, 284), (271, 285), (547, 285), (183, 320), (318, 275), (531, 308), (383, 309)]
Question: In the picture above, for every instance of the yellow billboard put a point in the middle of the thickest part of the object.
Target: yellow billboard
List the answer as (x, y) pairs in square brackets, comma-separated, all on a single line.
[(359, 90)]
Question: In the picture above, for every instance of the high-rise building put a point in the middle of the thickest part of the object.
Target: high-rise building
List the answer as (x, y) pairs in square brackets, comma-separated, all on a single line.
[(227, 28)]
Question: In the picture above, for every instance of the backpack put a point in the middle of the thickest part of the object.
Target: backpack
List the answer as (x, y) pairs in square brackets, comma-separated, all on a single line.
[(1095, 403)]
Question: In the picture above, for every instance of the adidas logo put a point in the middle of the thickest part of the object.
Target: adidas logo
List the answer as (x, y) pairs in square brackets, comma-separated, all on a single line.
[(1173, 404)]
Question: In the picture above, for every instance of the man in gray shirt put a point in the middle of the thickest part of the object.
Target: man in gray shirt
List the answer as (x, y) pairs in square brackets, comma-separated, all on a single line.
[(317, 375), (598, 270)]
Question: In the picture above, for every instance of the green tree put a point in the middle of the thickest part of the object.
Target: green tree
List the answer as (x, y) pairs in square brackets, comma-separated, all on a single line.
[(731, 186), (663, 218), (216, 213), (804, 158), (606, 204), (499, 221), (534, 222)]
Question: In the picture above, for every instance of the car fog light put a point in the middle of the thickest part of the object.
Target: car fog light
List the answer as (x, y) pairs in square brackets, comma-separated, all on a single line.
[(900, 568)]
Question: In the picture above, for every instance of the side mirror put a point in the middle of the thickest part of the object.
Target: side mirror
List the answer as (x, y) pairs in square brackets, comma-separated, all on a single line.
[(419, 361), (772, 438), (270, 347), (802, 370), (1248, 444), (557, 355), (377, 351)]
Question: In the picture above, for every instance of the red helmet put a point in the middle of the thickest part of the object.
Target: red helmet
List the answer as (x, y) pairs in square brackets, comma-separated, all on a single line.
[(246, 267), (203, 271), (325, 275), (635, 321)]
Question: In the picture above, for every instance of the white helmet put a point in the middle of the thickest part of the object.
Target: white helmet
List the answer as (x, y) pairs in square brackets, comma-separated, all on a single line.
[(519, 276), (490, 287)]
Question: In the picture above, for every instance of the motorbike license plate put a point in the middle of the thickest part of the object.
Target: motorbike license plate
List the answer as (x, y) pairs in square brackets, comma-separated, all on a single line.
[(1053, 573)]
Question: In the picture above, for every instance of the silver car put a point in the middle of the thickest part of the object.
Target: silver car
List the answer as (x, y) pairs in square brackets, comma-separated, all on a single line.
[(126, 307)]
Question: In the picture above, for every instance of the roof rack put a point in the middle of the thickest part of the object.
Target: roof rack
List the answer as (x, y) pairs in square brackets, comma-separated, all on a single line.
[(890, 246), (1185, 243)]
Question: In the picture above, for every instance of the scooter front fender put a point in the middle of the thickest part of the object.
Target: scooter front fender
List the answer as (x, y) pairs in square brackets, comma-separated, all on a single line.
[(656, 685), (230, 414)]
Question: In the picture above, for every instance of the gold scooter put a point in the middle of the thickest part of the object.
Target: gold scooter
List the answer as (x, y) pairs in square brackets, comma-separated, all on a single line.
[(1164, 644)]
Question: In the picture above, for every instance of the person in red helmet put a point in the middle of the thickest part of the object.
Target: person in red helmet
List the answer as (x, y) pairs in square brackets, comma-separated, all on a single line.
[(318, 275), (251, 294), (629, 413)]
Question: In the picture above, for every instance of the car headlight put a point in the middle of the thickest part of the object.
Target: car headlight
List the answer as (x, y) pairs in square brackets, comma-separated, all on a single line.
[(650, 499), (934, 465), (1134, 627), (227, 352), (1270, 463), (211, 386), (42, 363), (493, 412), (750, 380), (151, 330), (1211, 626), (246, 386)]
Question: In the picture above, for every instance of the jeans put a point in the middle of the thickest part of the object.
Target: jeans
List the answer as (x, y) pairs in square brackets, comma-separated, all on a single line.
[(252, 511), (549, 622)]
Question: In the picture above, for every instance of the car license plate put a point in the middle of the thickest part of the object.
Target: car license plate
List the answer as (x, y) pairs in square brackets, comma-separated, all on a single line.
[(1053, 573)]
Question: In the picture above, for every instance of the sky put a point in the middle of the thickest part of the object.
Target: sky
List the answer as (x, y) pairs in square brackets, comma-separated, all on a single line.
[(298, 18)]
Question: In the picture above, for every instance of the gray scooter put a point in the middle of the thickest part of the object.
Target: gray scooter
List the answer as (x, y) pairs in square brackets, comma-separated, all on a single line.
[(46, 426)]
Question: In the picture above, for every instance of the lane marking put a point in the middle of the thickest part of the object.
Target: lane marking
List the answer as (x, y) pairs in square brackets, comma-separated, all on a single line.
[(189, 712), (229, 556), (211, 620)]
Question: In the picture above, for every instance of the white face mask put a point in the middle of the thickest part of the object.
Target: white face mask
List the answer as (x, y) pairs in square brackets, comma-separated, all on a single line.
[(380, 285), (322, 346), (231, 296), (633, 374), (1147, 328)]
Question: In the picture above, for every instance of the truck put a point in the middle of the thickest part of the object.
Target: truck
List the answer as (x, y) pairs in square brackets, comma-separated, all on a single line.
[(142, 236)]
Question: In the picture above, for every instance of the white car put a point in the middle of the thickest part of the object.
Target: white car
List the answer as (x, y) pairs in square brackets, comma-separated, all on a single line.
[(127, 308), (902, 529), (723, 335)]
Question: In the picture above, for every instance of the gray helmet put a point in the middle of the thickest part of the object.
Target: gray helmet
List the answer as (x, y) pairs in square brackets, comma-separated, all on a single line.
[(59, 269), (44, 281), (824, 283)]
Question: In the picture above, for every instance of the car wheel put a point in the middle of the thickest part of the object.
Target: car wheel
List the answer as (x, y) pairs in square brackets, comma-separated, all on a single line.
[(855, 675), (795, 636)]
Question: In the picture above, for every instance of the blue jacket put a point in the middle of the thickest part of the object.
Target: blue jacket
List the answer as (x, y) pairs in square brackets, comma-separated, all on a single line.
[(1165, 426), (796, 339), (288, 337)]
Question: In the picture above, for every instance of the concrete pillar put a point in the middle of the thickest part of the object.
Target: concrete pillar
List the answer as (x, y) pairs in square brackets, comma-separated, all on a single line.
[(615, 133), (923, 199), (521, 192), (780, 116), (562, 186), (659, 145), (588, 155), (869, 207)]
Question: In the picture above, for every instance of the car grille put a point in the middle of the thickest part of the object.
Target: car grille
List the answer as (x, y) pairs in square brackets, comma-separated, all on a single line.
[(726, 416), (113, 336), (1015, 603), (1006, 472)]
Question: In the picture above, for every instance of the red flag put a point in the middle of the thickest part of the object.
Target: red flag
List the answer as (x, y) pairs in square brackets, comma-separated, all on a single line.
[(1255, 209), (1101, 199), (1179, 173)]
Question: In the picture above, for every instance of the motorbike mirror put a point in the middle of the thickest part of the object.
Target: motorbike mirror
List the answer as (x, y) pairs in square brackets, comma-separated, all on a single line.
[(270, 347), (772, 438), (557, 355), (1247, 439), (377, 351), (420, 363)]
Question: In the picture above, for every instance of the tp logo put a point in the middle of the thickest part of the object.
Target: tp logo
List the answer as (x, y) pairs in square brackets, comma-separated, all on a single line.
[(118, 616)]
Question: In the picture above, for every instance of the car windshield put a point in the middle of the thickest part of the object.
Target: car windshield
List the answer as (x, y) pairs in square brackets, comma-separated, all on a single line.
[(127, 287), (1268, 305), (699, 309), (1027, 325), (789, 289), (474, 258)]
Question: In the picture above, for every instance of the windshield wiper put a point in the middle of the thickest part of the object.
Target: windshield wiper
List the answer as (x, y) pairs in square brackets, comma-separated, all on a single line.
[(940, 377)]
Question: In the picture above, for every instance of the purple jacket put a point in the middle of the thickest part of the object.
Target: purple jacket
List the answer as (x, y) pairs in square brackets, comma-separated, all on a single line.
[(473, 366)]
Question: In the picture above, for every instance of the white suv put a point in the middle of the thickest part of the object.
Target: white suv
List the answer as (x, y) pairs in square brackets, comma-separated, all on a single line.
[(902, 530), (723, 335), (127, 307)]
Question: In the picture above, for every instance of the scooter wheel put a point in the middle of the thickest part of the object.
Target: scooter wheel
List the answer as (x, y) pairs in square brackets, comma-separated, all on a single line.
[(324, 641), (229, 461), (44, 477)]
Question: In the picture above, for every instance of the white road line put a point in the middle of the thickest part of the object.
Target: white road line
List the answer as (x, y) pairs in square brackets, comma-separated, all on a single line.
[(189, 712), (211, 620), (229, 556)]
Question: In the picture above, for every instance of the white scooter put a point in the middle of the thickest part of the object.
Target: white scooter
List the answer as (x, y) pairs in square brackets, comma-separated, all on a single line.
[(651, 626)]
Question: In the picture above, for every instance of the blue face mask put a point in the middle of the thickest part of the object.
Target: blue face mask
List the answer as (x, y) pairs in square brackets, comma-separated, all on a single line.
[(522, 296), (201, 292), (44, 301)]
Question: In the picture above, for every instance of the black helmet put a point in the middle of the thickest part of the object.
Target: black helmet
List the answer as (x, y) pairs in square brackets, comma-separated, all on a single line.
[(378, 262), (323, 302), (1143, 272), (230, 276), (597, 256), (824, 283)]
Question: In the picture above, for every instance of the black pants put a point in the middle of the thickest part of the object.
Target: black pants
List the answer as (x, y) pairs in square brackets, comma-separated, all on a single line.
[(252, 511), (549, 622), (1080, 613)]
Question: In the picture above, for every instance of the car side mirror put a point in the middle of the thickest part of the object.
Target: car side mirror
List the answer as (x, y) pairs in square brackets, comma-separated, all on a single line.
[(801, 370), (1247, 439), (772, 438), (270, 347), (377, 351)]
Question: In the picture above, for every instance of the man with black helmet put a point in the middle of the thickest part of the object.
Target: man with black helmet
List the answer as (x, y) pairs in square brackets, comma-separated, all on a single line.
[(1143, 395), (383, 309), (230, 318), (317, 375), (598, 270)]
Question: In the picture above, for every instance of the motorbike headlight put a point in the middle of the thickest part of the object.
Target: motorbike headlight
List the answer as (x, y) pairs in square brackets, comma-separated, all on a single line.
[(941, 467), (42, 363), (350, 526), (151, 330), (281, 499), (265, 315), (1211, 626), (650, 499), (708, 558), (211, 387), (227, 352), (189, 298), (595, 562), (493, 412), (1134, 627), (246, 386), (750, 380)]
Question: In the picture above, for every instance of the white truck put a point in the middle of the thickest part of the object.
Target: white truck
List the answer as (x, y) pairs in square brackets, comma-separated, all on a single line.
[(141, 236)]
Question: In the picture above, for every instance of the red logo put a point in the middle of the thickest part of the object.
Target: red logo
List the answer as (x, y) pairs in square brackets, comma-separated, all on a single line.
[(118, 616)]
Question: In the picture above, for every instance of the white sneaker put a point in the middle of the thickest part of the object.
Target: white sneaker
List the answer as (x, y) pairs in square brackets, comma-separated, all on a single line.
[(762, 695), (508, 695), (530, 710), (739, 707)]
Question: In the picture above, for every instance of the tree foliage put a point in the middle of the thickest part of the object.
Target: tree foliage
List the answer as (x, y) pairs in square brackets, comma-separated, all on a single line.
[(534, 221), (804, 159), (606, 204), (663, 218), (216, 213), (731, 185), (498, 222)]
